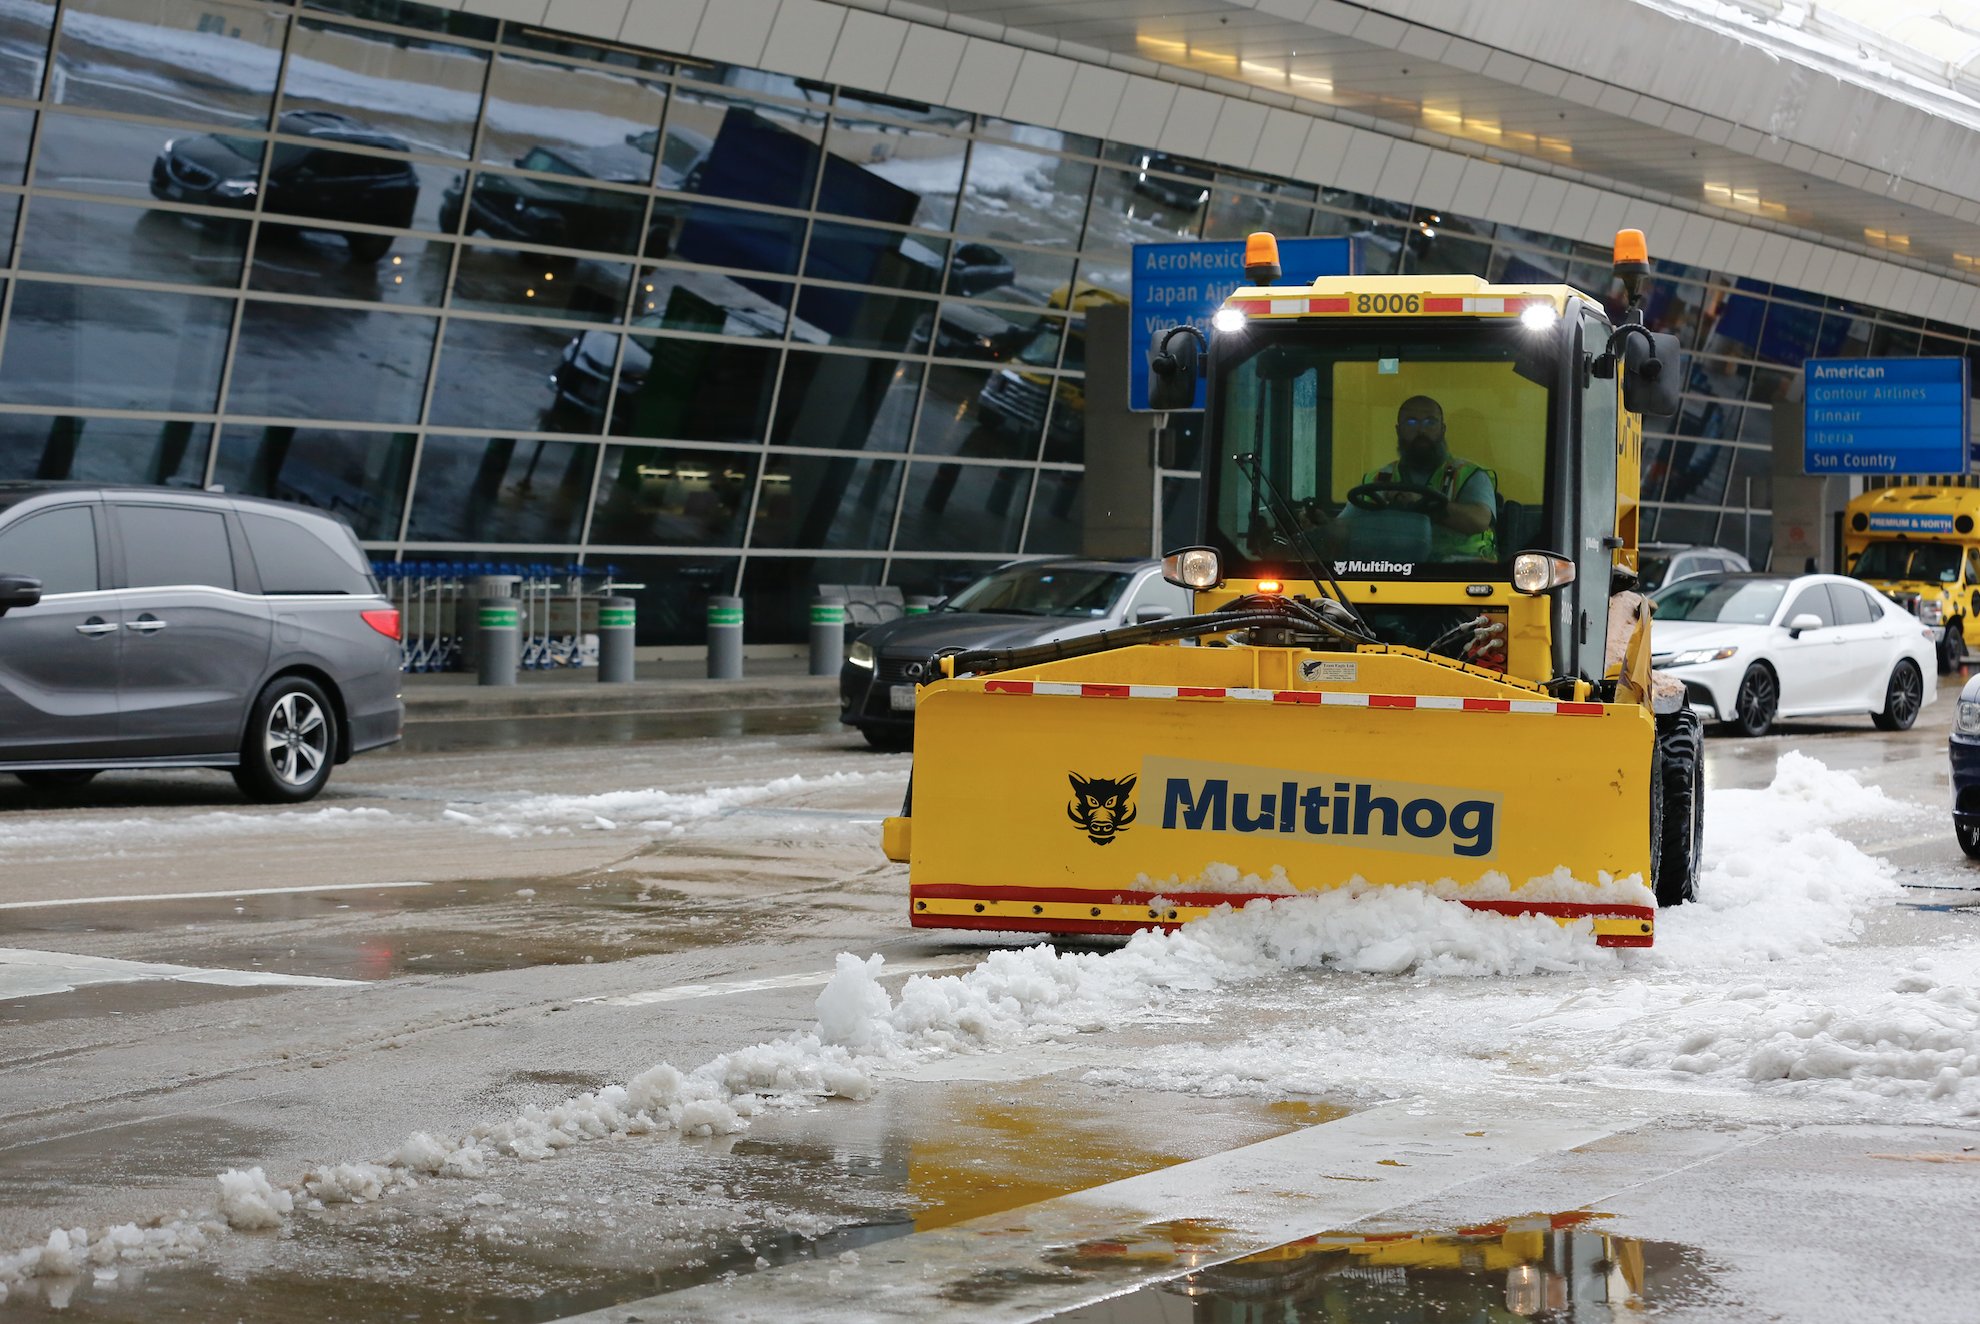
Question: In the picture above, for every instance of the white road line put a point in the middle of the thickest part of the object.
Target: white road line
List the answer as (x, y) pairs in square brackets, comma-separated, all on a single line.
[(204, 896), (1318, 1179), (809, 978)]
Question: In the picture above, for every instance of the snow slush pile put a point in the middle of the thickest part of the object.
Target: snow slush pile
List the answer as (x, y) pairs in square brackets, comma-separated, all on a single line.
[(648, 810)]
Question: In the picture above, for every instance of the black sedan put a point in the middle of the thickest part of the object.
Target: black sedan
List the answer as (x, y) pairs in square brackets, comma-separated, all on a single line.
[(1027, 602)]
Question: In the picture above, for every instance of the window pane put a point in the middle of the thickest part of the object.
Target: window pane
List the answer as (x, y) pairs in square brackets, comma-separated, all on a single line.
[(600, 120), (319, 262), (167, 546), (683, 299), (1141, 206), (358, 476), (24, 28), (725, 236), (16, 127), (294, 361), (1028, 198), (963, 507), (778, 592), (840, 402), (510, 280), (892, 172), (425, 92), (649, 495), (292, 556), (1065, 437), (497, 375), (1283, 209), (334, 168), (986, 331), (10, 208), (124, 160), (113, 349), (104, 450), (994, 413), (863, 321), (74, 237), (57, 547), (826, 502), (727, 146), (530, 209), (1057, 513), (1182, 498), (501, 490), (208, 63), (694, 390), (672, 602), (865, 256)]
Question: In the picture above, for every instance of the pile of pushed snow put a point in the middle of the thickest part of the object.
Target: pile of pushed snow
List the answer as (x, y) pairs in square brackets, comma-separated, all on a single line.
[(647, 810)]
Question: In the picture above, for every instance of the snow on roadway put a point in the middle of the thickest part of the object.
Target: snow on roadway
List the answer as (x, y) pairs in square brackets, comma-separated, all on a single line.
[(25, 973), (1758, 988)]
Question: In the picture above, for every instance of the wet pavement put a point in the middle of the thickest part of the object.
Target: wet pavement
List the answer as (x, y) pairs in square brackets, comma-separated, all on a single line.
[(533, 908)]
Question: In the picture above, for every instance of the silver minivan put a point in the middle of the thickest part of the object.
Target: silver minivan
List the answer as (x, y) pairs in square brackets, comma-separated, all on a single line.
[(159, 628)]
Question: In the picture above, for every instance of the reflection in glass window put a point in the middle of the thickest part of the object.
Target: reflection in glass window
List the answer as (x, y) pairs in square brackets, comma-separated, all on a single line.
[(24, 29), (1022, 197), (205, 63), (292, 361), (1057, 513), (829, 502), (652, 495), (1065, 436), (888, 258), (501, 490), (318, 262), (986, 331), (509, 280), (10, 207), (778, 592), (683, 299), (16, 129), (78, 345), (497, 375), (725, 236), (1283, 209), (1444, 244), (694, 390), (728, 146), (358, 476), (842, 402), (597, 118), (526, 209), (1182, 500), (672, 600), (69, 236), (426, 92), (993, 413), (963, 507), (865, 321), (918, 161), (103, 450), (110, 157), (1159, 198), (57, 547)]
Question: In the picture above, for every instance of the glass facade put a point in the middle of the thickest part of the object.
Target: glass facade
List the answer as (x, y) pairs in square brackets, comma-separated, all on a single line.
[(494, 295)]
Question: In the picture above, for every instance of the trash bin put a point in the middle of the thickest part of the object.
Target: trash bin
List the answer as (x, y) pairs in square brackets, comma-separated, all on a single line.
[(828, 637), (725, 638), (615, 640), (498, 623)]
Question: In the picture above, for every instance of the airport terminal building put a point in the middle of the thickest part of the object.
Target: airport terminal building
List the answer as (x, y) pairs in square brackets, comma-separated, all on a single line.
[(749, 295)]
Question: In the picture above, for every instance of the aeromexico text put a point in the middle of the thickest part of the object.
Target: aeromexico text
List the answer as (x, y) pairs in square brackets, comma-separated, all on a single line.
[(1375, 815)]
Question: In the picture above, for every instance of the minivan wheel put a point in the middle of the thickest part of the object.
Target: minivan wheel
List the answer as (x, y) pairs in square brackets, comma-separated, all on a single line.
[(291, 743), (58, 779)]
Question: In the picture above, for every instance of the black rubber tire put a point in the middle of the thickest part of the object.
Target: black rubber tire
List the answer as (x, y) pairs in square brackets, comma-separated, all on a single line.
[(1969, 840), (1677, 808), (368, 247), (1756, 701), (1904, 695), (58, 779), (892, 740), (270, 764), (1952, 648)]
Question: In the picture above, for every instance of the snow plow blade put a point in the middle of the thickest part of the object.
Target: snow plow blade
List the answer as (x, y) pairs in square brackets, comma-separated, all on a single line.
[(1101, 806)]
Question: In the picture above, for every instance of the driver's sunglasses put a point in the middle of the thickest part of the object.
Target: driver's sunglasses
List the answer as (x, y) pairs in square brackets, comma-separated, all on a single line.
[(1417, 422)]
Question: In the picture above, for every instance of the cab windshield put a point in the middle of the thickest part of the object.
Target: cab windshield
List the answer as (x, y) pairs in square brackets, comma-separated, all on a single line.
[(1042, 591), (1728, 601), (1412, 449), (1933, 562)]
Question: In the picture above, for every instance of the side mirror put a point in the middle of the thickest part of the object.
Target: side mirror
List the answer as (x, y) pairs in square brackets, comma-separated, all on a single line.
[(1173, 369), (1808, 620), (1144, 615), (18, 591), (1652, 383)]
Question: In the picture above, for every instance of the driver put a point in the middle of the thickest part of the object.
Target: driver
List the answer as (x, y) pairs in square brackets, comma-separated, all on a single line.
[(1462, 531)]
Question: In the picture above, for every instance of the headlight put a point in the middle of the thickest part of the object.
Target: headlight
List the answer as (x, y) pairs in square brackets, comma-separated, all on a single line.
[(860, 654), (1931, 611), (1969, 717), (235, 188), (1693, 656), (1193, 567), (1534, 573)]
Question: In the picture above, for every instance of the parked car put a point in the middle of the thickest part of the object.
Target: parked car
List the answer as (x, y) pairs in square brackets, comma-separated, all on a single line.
[(1752, 648), (152, 628), (544, 211), (311, 179), (1026, 602), (1661, 563), (1965, 749)]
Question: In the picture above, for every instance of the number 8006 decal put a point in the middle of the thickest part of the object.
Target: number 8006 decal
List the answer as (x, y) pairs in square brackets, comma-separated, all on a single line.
[(1388, 303)]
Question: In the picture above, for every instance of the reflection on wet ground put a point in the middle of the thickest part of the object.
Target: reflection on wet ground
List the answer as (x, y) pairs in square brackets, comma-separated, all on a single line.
[(617, 1222), (442, 736), (1546, 1267)]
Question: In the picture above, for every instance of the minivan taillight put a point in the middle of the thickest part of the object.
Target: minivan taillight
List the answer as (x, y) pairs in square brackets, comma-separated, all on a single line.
[(385, 620)]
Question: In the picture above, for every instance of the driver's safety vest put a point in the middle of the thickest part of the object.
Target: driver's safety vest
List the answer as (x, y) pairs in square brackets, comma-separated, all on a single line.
[(1449, 544)]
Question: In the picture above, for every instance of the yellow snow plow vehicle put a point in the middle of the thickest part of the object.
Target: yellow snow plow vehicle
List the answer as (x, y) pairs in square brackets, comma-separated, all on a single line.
[(1920, 546), (1416, 656)]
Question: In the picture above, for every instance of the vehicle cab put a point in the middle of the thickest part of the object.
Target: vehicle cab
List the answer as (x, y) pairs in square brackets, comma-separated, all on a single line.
[(1920, 547)]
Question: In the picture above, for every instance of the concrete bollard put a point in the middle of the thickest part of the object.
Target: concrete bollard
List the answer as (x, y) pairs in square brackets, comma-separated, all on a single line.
[(828, 637), (499, 635), (725, 638), (615, 640), (477, 588)]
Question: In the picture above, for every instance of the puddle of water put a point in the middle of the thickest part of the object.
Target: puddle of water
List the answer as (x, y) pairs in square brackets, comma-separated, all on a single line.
[(447, 736), (1547, 1267)]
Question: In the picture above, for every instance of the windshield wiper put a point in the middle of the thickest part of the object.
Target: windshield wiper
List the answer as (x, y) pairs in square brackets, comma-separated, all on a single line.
[(1282, 518)]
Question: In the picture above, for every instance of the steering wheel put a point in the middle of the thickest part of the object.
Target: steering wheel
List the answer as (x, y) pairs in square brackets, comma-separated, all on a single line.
[(1408, 497)]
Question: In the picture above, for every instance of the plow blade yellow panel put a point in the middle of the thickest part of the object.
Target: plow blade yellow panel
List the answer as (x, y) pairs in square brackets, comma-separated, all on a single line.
[(1106, 808)]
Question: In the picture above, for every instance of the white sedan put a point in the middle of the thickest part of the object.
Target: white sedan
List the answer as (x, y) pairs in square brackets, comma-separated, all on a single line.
[(1751, 648)]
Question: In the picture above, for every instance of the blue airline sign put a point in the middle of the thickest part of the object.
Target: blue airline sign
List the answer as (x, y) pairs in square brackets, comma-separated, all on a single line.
[(1185, 282), (1885, 416)]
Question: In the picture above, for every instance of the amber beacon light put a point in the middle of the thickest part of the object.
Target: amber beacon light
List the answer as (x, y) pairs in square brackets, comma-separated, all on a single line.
[(1261, 258)]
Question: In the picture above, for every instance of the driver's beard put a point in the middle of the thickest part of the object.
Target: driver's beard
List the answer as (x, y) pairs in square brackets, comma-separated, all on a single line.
[(1422, 453)]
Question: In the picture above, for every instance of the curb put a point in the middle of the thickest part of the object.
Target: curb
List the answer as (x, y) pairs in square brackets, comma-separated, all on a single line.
[(634, 697)]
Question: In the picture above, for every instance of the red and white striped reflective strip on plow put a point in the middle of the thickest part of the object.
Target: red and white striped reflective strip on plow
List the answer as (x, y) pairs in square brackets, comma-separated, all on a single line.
[(1311, 698), (1431, 303)]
